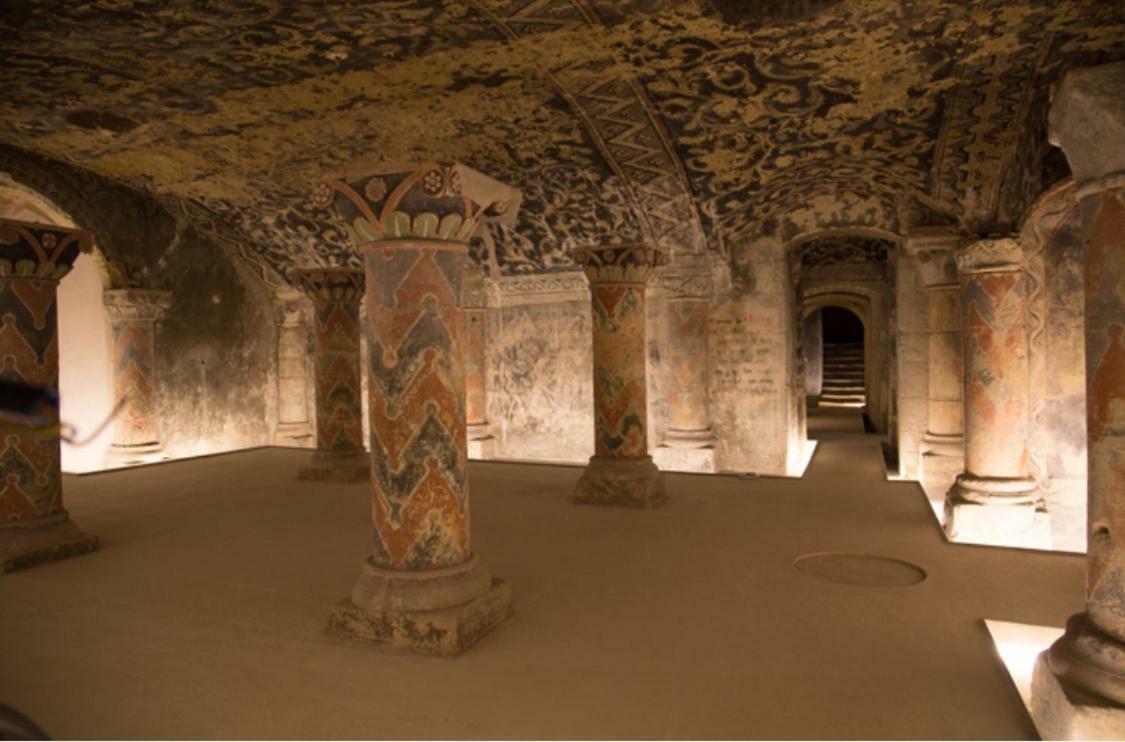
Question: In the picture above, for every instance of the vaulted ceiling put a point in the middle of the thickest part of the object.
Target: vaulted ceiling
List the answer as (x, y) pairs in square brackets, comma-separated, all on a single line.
[(692, 123)]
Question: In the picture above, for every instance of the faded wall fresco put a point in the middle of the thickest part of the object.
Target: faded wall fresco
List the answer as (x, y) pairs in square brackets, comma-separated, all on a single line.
[(540, 387)]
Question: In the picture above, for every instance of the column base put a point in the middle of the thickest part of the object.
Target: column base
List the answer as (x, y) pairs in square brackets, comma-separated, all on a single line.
[(341, 467), (942, 459), (440, 612), (631, 483), (144, 453), (296, 435), (670, 458), (1078, 687), (996, 512), (674, 438), (482, 448), (42, 541)]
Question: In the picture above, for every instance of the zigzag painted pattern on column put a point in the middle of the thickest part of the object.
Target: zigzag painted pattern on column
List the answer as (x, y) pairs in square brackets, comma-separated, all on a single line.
[(419, 486), (29, 355), (339, 397)]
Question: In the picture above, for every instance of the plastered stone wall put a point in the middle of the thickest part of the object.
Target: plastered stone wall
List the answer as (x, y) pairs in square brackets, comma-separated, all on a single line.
[(753, 392), (215, 354), (913, 365), (540, 384)]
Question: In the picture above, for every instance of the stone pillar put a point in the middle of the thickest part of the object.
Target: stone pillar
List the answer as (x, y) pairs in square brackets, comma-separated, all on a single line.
[(1078, 687), (475, 300), (943, 446), (995, 501), (133, 314), (34, 527), (688, 444), (423, 587), (620, 472), (340, 456), (292, 315)]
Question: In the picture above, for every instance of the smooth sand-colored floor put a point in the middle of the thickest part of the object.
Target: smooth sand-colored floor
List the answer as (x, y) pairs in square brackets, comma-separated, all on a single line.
[(203, 614)]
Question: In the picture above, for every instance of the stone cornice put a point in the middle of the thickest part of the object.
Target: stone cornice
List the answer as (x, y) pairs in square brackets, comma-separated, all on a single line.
[(136, 304), (925, 239), (990, 255), (938, 268), (433, 201), (619, 263), (40, 251), (291, 307), (331, 284)]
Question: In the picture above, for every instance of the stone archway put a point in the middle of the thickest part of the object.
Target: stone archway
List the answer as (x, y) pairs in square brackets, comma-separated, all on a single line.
[(85, 383)]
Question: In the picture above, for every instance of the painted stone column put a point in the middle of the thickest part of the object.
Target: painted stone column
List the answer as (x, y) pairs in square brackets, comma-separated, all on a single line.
[(423, 587), (340, 455), (474, 299), (688, 444), (34, 526), (995, 501), (943, 446), (1078, 687), (292, 316), (133, 314), (620, 472)]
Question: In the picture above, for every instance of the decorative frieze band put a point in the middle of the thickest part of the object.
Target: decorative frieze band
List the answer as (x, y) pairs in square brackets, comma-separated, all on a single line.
[(136, 304), (990, 255)]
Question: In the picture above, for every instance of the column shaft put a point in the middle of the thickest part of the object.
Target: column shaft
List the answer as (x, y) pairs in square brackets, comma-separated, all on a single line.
[(1078, 688), (340, 455), (34, 526), (995, 501), (621, 472), (481, 442), (292, 374), (423, 587), (133, 314)]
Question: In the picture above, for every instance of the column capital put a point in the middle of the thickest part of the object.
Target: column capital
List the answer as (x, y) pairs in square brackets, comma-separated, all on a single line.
[(928, 239), (40, 251), (1087, 120), (619, 263), (331, 284), (990, 255), (136, 304), (687, 277), (433, 201), (290, 307), (938, 268)]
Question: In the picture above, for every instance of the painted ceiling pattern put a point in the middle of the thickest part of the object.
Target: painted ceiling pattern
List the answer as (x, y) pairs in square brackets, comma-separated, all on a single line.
[(693, 124)]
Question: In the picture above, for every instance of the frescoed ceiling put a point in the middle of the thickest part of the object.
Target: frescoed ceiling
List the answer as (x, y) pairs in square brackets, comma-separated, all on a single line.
[(694, 124)]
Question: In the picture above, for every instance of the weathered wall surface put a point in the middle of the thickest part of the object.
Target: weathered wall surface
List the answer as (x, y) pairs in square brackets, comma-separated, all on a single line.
[(215, 354), (539, 360), (1058, 376), (913, 373)]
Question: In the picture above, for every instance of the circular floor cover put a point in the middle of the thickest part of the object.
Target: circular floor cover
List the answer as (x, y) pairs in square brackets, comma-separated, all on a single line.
[(860, 569)]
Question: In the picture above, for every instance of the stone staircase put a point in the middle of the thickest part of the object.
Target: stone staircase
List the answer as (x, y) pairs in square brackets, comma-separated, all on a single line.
[(842, 384)]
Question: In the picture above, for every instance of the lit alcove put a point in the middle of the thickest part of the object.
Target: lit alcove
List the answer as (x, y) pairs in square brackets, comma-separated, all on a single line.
[(85, 385)]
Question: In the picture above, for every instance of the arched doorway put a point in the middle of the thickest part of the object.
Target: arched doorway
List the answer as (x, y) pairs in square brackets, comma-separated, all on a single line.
[(842, 380)]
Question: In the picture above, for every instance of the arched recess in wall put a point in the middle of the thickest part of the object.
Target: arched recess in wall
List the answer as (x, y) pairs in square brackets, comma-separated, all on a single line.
[(854, 269), (860, 305), (85, 386), (1051, 236)]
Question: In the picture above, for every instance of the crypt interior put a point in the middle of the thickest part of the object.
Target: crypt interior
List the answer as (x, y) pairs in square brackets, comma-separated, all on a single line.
[(780, 344)]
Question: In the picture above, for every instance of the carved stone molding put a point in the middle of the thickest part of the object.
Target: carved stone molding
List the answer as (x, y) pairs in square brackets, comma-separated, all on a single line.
[(990, 255), (136, 304), (1087, 120), (40, 251), (937, 268), (619, 263), (332, 284), (436, 201), (291, 307)]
